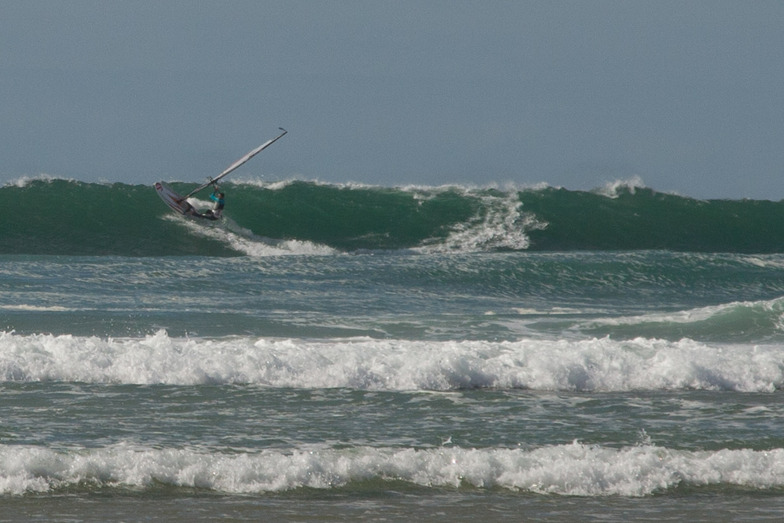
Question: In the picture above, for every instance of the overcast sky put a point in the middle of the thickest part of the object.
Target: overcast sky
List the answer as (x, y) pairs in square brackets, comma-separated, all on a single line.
[(687, 95)]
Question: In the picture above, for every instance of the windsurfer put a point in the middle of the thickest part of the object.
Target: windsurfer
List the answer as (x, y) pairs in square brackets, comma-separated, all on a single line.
[(217, 196)]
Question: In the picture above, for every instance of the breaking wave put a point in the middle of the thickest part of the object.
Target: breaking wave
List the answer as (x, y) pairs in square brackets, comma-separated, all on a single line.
[(46, 215), (589, 365), (572, 469)]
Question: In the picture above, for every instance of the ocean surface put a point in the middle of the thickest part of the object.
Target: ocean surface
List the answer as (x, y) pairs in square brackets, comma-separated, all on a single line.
[(345, 352)]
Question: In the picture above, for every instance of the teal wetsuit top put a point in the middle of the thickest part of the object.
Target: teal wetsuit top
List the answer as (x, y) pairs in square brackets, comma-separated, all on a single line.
[(217, 199)]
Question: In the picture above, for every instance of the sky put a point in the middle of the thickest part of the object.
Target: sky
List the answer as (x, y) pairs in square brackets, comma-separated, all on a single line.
[(686, 95)]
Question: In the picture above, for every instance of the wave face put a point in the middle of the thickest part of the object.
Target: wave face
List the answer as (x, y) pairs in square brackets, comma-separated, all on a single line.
[(46, 216)]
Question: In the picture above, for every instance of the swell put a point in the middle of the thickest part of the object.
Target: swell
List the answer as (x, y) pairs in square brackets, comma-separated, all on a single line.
[(641, 218), (47, 216)]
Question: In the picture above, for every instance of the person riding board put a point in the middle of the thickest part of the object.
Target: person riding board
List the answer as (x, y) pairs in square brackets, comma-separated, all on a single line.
[(212, 214), (217, 196)]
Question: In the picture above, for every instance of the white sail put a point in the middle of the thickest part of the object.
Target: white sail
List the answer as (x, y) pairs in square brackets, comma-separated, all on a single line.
[(238, 163)]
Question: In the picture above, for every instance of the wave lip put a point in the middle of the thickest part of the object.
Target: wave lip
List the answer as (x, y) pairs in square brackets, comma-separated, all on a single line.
[(573, 469), (597, 364)]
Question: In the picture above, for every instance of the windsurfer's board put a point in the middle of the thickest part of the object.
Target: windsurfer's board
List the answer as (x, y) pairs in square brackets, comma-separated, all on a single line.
[(180, 203), (175, 201)]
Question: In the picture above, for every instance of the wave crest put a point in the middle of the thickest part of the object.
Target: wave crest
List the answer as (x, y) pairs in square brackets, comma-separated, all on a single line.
[(598, 364), (572, 470)]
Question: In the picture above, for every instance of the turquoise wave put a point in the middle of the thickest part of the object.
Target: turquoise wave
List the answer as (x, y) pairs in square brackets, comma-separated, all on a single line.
[(78, 218)]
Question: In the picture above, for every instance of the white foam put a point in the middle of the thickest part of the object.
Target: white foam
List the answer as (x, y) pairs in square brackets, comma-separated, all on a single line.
[(282, 184), (598, 364), (771, 261), (26, 180), (35, 308), (573, 469), (758, 313), (243, 240), (503, 225), (613, 189), (425, 191)]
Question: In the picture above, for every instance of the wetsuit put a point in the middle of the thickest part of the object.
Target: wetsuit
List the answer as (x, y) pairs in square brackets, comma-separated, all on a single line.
[(217, 210)]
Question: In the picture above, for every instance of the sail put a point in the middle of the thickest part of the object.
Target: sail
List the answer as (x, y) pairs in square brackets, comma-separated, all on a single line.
[(237, 164)]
